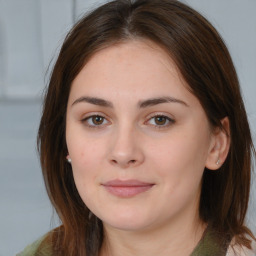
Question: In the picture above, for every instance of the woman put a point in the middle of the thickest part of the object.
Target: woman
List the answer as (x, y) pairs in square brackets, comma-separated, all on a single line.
[(144, 141)]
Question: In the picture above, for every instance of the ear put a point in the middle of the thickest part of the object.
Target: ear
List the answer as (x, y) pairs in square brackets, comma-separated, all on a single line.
[(219, 147)]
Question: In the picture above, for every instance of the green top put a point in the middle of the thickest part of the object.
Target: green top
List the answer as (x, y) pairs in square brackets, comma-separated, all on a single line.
[(207, 246), (32, 249)]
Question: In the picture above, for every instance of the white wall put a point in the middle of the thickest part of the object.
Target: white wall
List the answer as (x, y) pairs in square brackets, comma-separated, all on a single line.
[(31, 32)]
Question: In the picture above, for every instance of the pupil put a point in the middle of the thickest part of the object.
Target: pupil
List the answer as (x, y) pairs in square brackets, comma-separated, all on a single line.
[(160, 120), (97, 120)]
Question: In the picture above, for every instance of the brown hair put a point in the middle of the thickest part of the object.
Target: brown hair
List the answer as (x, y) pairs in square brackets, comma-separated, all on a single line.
[(205, 64)]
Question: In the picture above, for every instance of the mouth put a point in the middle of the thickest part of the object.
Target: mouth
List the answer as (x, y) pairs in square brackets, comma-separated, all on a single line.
[(127, 188)]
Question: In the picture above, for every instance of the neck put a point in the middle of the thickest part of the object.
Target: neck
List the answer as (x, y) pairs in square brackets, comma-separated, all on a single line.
[(162, 241)]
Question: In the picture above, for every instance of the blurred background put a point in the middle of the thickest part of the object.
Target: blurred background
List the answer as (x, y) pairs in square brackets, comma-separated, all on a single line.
[(31, 33)]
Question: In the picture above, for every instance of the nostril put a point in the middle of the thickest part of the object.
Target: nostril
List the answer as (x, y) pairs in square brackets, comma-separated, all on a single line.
[(113, 161)]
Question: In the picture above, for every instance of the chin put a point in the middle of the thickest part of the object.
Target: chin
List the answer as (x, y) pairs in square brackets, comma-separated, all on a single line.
[(127, 222), (132, 226)]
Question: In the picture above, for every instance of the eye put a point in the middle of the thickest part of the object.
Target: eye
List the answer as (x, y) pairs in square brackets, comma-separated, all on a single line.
[(95, 121), (160, 121)]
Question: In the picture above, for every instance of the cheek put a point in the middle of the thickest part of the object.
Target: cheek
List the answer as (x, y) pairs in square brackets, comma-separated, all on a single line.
[(86, 157), (82, 154), (180, 170), (84, 148), (181, 158), (86, 165), (173, 152)]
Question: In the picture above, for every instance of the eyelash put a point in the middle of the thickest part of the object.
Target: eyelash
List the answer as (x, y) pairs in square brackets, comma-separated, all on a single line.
[(167, 118), (86, 121), (95, 126)]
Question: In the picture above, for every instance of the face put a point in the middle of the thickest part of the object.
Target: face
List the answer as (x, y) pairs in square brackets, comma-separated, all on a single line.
[(138, 139)]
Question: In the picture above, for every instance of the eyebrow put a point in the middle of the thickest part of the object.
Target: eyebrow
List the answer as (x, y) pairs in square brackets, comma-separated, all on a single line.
[(160, 100), (94, 101), (141, 104)]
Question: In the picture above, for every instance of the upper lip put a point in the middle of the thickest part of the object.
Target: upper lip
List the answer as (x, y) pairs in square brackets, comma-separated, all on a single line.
[(126, 183)]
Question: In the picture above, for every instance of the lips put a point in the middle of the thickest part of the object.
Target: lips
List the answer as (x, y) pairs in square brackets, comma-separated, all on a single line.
[(127, 188)]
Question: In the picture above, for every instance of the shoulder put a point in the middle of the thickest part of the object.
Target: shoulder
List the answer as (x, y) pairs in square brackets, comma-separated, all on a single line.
[(37, 248), (236, 250)]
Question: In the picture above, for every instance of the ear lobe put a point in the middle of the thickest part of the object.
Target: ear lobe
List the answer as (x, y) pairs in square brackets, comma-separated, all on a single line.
[(220, 146), (68, 158)]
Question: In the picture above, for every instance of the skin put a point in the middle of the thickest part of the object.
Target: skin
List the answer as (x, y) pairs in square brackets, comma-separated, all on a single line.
[(127, 141)]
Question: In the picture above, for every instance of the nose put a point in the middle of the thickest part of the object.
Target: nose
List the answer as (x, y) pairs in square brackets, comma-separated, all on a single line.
[(126, 149)]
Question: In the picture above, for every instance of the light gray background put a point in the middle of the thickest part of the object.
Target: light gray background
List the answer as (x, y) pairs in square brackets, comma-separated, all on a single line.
[(31, 32)]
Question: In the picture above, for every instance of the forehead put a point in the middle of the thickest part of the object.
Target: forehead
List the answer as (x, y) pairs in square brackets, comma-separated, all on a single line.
[(135, 69), (142, 47), (127, 74), (139, 56)]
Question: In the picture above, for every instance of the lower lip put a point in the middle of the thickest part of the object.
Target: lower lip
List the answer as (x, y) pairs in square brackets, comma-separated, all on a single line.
[(127, 191)]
